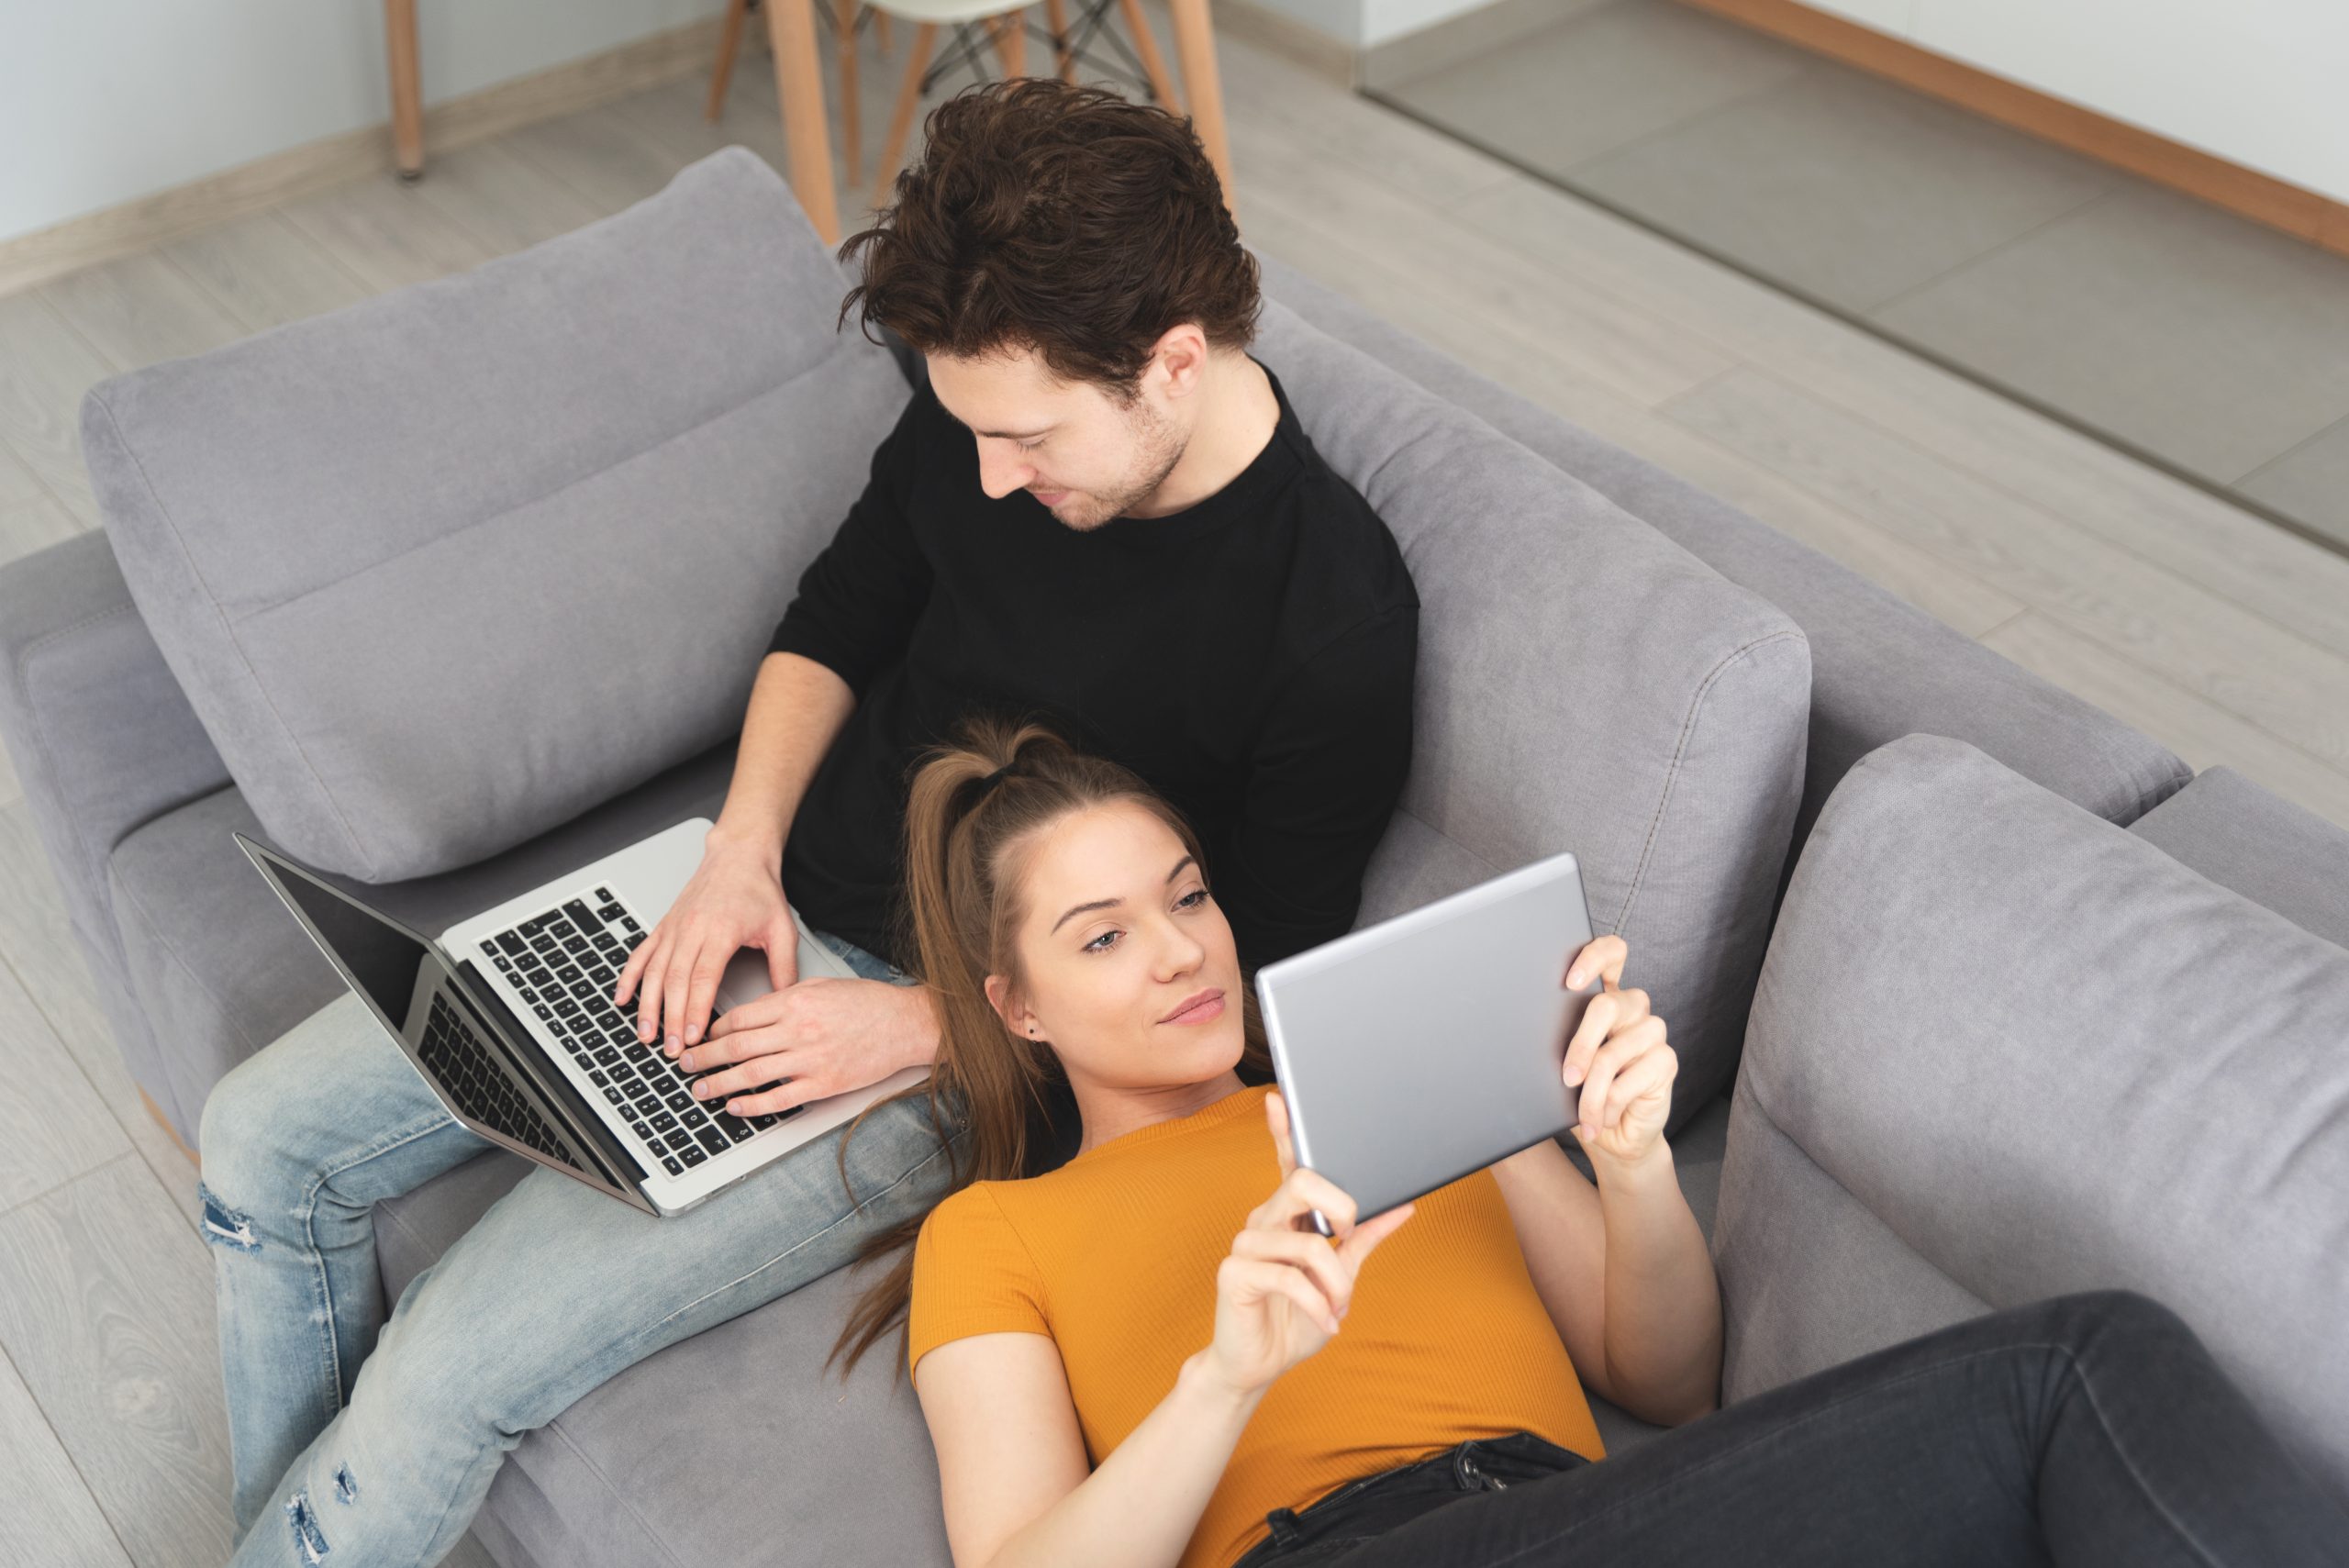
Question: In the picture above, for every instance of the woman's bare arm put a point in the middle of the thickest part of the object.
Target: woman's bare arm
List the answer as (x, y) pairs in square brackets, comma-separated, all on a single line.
[(1012, 1465), (1623, 1271)]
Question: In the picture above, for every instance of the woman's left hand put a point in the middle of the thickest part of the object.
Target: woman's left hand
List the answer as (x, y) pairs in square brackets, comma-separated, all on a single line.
[(1619, 1057)]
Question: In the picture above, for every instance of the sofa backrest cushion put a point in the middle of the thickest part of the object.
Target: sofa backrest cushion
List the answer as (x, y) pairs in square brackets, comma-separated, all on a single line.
[(1583, 683), (2022, 1053), (1880, 667), (448, 567)]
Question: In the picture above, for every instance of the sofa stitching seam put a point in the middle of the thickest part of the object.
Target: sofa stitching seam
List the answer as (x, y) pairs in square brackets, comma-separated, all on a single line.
[(572, 484), (229, 626), (170, 951), (1679, 751), (49, 753)]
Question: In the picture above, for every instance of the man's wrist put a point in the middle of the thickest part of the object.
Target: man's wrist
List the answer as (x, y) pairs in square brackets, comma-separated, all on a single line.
[(729, 837)]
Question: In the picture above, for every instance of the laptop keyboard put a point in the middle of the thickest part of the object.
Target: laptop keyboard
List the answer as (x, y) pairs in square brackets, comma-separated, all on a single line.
[(566, 963), (475, 1080)]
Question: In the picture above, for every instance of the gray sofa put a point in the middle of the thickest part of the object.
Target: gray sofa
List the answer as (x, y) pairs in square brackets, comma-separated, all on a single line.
[(465, 585)]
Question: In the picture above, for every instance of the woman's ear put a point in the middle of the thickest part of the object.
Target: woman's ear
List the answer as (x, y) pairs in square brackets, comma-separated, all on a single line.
[(1014, 1014)]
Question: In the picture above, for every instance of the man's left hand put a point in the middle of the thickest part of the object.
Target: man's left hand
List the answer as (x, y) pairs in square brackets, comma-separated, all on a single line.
[(824, 1035)]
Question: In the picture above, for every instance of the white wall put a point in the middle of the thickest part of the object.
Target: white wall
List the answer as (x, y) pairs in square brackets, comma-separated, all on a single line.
[(101, 101), (2261, 83)]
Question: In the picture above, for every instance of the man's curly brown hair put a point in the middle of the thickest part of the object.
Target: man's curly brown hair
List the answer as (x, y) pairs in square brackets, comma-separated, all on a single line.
[(1063, 219)]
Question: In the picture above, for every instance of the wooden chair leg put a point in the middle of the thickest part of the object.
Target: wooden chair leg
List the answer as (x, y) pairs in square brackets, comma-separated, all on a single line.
[(851, 118), (901, 121), (1194, 46), (1056, 13), (729, 38), (1152, 64), (1010, 31), (881, 33)]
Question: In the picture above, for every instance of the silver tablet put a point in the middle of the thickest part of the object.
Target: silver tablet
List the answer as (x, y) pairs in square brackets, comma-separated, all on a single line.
[(1417, 1050)]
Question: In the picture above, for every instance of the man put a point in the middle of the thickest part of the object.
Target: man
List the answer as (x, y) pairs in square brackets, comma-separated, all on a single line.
[(1098, 508)]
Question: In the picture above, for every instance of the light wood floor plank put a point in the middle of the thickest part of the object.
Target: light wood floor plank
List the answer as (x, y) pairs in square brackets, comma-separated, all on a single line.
[(386, 233), (2294, 689), (52, 1125), (265, 271), (489, 192), (2162, 519), (1643, 356), (106, 1309), (2201, 732), (47, 1514), (1949, 595), (600, 154), (45, 367), (32, 524), (1265, 91), (37, 946), (141, 309)]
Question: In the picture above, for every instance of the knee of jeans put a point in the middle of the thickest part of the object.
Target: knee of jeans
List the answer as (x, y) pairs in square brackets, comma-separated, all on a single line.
[(224, 1226), (2129, 1312), (233, 1131)]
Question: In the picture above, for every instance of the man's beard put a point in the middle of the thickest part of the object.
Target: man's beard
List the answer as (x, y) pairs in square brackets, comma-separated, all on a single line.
[(1161, 448)]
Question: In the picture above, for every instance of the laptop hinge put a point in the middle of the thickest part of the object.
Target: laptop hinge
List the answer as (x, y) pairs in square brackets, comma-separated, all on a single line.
[(525, 1056)]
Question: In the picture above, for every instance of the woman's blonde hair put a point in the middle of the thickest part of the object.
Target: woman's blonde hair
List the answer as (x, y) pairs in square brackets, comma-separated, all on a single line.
[(968, 846)]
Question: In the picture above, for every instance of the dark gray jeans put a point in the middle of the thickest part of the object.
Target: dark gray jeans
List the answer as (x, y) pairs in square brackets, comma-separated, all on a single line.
[(2086, 1431)]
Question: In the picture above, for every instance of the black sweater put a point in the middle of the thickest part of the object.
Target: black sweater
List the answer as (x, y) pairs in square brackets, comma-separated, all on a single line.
[(1251, 656)]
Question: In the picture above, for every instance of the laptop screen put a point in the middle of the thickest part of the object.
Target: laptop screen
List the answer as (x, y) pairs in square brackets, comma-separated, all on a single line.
[(383, 959)]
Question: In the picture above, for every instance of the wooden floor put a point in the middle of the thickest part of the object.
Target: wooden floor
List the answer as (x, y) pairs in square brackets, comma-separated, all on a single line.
[(2219, 634)]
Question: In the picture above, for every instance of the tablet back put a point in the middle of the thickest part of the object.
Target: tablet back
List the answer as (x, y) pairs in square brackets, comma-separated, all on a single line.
[(1423, 1048)]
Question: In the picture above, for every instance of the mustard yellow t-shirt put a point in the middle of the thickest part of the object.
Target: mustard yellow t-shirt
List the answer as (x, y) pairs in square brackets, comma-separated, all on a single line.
[(1114, 1256)]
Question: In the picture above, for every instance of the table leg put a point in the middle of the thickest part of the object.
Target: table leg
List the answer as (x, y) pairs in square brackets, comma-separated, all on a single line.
[(791, 27), (1195, 47), (407, 88)]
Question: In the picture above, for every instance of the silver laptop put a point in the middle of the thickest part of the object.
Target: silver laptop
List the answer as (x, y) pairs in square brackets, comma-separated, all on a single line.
[(1417, 1050), (508, 1017)]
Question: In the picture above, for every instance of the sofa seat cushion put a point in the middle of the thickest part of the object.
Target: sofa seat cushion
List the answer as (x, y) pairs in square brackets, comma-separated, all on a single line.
[(1880, 667), (2013, 1052), (220, 967), (2263, 846), (1583, 683), (450, 566)]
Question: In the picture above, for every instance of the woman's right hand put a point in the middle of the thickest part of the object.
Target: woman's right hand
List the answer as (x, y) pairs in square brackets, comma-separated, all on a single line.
[(1282, 1292)]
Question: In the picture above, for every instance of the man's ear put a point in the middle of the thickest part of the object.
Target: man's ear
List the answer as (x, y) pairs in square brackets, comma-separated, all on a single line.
[(1182, 353)]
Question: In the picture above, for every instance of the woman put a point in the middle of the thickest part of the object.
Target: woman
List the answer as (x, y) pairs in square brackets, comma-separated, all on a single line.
[(1138, 1358)]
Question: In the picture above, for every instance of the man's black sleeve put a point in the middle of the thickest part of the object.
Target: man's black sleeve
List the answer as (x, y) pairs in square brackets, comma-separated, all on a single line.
[(1324, 781), (858, 601)]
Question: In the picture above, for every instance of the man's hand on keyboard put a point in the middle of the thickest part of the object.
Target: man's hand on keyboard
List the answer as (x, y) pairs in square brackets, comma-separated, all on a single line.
[(825, 1035), (734, 901)]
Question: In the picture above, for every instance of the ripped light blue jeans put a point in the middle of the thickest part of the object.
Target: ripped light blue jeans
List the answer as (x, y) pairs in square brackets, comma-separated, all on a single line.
[(360, 1440)]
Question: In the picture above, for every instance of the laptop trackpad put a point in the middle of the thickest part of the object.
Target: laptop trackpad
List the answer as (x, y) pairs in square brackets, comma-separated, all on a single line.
[(747, 975)]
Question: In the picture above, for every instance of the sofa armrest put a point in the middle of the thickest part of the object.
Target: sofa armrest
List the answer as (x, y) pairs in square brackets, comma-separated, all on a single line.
[(101, 736)]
